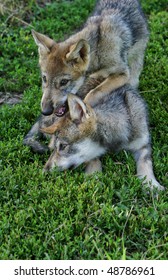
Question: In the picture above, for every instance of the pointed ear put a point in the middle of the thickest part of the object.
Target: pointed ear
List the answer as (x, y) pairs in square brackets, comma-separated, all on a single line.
[(43, 42), (77, 109), (79, 53)]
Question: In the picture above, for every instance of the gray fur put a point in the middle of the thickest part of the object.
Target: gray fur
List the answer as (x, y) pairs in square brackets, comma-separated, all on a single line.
[(117, 34), (118, 122)]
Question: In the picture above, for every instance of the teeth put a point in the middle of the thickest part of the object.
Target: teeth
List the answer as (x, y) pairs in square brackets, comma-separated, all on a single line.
[(60, 111)]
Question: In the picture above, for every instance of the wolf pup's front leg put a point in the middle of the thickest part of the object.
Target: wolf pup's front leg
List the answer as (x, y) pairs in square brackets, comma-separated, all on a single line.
[(32, 139), (112, 82), (35, 134), (93, 166)]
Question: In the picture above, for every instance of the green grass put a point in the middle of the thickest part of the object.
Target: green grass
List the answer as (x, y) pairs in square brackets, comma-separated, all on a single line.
[(67, 215)]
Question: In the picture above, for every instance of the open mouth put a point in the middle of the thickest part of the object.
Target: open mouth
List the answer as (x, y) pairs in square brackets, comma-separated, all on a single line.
[(61, 110)]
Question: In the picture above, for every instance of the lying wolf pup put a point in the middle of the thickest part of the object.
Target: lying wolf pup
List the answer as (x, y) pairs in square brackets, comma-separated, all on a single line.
[(118, 122)]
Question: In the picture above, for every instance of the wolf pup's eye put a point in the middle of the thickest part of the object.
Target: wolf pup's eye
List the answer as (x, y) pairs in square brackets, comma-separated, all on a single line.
[(62, 146), (64, 82), (44, 78)]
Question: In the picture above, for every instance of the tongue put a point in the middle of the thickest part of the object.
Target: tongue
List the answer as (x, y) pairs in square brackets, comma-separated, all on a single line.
[(60, 111)]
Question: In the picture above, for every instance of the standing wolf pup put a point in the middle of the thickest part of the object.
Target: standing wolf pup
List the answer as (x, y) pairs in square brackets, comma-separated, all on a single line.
[(110, 47), (118, 121)]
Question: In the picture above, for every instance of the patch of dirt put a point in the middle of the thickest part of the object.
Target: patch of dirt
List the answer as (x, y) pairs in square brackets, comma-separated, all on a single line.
[(10, 98)]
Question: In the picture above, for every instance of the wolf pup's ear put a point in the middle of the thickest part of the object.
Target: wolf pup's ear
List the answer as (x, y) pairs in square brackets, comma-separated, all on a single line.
[(43, 42), (77, 109), (79, 54)]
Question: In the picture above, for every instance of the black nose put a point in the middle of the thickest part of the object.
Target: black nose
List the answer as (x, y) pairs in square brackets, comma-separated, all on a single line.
[(47, 110)]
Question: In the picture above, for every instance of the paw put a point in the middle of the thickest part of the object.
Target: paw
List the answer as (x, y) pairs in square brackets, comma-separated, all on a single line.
[(153, 184), (36, 146), (92, 98), (157, 186), (93, 166)]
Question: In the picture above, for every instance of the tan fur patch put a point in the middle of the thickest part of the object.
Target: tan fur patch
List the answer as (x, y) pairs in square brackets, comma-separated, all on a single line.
[(54, 127)]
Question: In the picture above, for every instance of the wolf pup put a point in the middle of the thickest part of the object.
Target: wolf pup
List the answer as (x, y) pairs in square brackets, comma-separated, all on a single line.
[(118, 122), (110, 47)]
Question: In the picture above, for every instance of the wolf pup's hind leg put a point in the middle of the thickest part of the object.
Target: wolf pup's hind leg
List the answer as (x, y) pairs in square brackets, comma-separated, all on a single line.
[(145, 168)]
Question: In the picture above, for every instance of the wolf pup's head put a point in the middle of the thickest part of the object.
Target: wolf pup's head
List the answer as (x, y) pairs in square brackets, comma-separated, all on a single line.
[(63, 66), (74, 137)]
